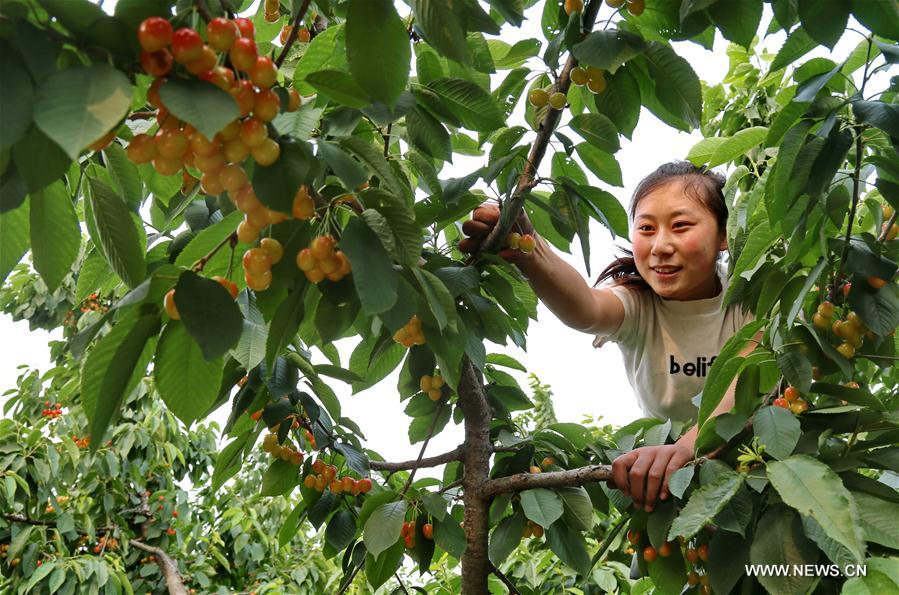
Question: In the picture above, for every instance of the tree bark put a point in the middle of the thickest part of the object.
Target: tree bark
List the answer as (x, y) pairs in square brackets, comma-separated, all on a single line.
[(476, 461), (554, 479), (173, 581), (441, 459)]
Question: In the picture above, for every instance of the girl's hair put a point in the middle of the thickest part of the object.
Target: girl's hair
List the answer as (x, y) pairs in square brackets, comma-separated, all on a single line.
[(700, 184)]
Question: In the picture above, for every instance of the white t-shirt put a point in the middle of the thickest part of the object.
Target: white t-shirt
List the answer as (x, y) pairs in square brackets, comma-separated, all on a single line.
[(669, 345)]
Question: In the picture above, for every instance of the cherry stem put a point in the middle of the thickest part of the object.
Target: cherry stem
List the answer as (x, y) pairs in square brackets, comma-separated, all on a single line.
[(294, 33), (198, 266)]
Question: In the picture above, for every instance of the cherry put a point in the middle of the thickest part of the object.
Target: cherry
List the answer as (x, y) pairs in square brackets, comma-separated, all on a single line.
[(221, 33), (799, 406), (364, 485), (233, 178), (245, 97), (578, 76), (285, 33), (211, 184), (538, 97), (256, 261), (153, 92), (166, 166), (171, 143), (665, 549), (141, 149), (309, 481), (876, 282), (527, 243), (537, 531), (692, 556), (253, 131), (597, 85), (209, 163), (157, 63), (204, 63), (246, 200), (154, 33), (791, 393), (273, 248), (322, 247), (246, 28), (259, 282), (267, 152), (235, 151), (231, 131), (305, 260), (187, 45), (263, 73), (304, 35), (781, 402), (572, 6), (535, 469), (547, 462), (650, 554), (266, 105), (513, 240), (427, 530), (636, 7), (703, 552), (692, 578), (243, 53), (170, 308)]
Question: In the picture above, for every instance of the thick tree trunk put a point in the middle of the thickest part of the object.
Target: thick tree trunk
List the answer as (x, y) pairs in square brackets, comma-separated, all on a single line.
[(167, 565), (476, 461)]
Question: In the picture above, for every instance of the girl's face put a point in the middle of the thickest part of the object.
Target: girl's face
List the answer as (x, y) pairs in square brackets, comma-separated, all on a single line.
[(676, 241)]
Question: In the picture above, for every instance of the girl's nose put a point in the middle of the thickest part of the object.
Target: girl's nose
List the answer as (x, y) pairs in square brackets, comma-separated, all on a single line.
[(662, 244)]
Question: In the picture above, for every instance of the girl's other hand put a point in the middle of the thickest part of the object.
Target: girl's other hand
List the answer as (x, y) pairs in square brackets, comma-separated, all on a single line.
[(482, 222), (643, 473)]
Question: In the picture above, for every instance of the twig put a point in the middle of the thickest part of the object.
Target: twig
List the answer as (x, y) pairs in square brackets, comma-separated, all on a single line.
[(201, 263), (441, 459), (387, 140), (450, 486), (350, 580), (509, 584), (554, 479), (424, 445), (855, 197), (294, 33), (400, 581), (886, 228)]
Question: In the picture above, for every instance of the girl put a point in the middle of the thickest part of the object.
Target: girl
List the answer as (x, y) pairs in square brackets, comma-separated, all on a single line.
[(661, 305)]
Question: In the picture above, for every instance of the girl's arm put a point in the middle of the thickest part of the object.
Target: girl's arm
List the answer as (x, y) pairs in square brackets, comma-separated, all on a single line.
[(558, 285), (643, 473)]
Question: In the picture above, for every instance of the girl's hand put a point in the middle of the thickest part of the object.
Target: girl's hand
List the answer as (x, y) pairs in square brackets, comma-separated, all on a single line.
[(643, 473), (482, 222)]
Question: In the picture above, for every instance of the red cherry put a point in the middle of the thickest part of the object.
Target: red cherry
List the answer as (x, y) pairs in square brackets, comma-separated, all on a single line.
[(221, 33), (156, 63), (243, 53), (154, 33), (264, 73), (187, 45), (246, 28), (205, 63)]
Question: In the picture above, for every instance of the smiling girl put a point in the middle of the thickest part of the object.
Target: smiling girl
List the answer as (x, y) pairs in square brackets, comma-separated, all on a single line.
[(661, 304)]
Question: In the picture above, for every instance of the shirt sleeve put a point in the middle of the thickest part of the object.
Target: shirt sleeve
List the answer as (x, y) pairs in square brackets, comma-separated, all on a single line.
[(630, 299)]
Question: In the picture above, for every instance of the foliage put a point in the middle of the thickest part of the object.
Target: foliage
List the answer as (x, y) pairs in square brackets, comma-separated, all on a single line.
[(811, 155)]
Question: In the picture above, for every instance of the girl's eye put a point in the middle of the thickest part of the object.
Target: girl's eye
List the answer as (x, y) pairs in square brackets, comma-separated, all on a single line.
[(681, 224), (645, 228)]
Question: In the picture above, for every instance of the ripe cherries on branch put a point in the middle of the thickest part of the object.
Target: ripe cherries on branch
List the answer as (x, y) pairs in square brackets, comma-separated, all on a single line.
[(154, 33)]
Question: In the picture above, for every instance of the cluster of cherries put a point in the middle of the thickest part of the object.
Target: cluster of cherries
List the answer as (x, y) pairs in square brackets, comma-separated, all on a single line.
[(285, 452), (171, 309), (81, 442), (177, 145), (432, 385), (524, 242), (324, 476), (106, 543), (791, 399), (51, 411), (532, 529), (852, 330), (407, 532), (410, 334), (321, 261), (694, 555), (258, 261)]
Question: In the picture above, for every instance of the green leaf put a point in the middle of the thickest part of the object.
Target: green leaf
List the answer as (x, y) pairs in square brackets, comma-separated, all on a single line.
[(341, 530), (704, 504), (676, 84), (680, 481), (779, 539), (285, 323), (377, 164), (16, 99), (280, 478), (438, 297), (606, 209), (250, 348), (879, 17), (209, 314), (608, 49), (14, 238), (506, 537), (373, 274), (277, 184), (199, 103), (777, 429), (450, 536), (578, 508), (738, 22), (570, 546), (737, 145), (382, 529), (542, 506), (112, 369), (339, 86), (326, 51), (76, 106), (55, 234), (878, 519), (428, 135), (722, 372), (441, 28), (117, 233), (620, 101), (878, 113), (856, 396), (186, 381), (824, 20), (38, 162), (228, 462), (602, 164), (470, 103), (378, 570), (124, 174), (379, 62), (797, 44), (597, 130), (350, 172), (813, 489)]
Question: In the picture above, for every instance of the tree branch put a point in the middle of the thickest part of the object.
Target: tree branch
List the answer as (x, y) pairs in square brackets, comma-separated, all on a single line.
[(886, 228), (509, 584), (424, 445), (201, 263), (167, 565), (294, 33), (553, 479), (419, 463)]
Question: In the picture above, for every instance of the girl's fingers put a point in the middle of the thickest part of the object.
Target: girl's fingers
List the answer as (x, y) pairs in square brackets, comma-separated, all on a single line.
[(637, 478), (681, 457), (620, 468), (476, 229), (487, 213), (656, 476)]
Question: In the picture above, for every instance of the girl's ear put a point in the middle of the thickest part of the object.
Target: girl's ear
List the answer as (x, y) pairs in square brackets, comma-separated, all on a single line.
[(722, 244)]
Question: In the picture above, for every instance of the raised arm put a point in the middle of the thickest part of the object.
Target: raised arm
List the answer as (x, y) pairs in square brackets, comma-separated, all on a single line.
[(558, 285)]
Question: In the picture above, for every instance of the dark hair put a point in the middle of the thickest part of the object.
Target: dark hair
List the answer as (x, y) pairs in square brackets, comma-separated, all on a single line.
[(701, 184)]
